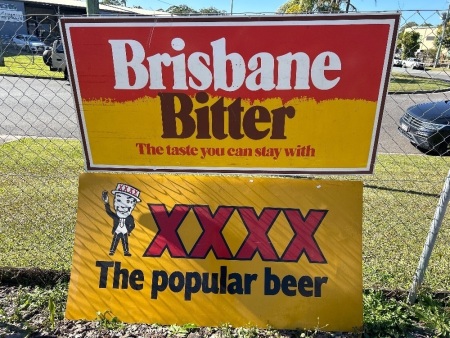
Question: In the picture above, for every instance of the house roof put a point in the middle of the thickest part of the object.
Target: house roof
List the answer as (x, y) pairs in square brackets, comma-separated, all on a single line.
[(109, 8)]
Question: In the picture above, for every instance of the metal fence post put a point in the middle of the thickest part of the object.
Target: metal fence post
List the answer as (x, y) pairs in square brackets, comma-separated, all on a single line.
[(2, 57), (431, 239), (445, 18), (92, 7)]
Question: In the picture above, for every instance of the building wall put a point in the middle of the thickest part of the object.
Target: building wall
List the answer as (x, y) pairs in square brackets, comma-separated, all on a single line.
[(427, 38)]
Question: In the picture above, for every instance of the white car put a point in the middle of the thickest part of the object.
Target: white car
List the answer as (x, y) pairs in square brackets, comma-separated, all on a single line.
[(55, 58), (413, 63), (29, 43)]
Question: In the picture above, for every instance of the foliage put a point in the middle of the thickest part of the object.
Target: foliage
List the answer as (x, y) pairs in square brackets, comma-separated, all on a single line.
[(108, 321), (114, 2), (248, 331), (212, 11), (445, 39), (52, 311), (181, 330), (181, 10), (386, 317), (186, 10), (226, 331), (50, 301), (409, 42), (390, 317), (314, 6), (429, 53), (434, 313)]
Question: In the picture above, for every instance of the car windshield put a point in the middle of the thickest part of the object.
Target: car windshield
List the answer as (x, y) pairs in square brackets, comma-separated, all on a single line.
[(60, 48)]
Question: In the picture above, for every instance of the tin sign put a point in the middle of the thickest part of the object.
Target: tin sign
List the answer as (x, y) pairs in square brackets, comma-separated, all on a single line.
[(276, 94), (278, 252)]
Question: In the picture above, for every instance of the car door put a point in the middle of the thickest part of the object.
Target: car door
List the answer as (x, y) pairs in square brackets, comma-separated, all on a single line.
[(19, 40), (58, 57)]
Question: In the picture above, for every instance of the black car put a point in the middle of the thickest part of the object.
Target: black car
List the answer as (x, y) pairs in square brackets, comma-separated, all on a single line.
[(427, 126)]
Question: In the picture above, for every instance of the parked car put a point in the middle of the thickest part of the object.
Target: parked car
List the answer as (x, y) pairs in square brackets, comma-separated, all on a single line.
[(6, 39), (55, 58), (397, 62), (29, 43), (413, 63), (427, 126)]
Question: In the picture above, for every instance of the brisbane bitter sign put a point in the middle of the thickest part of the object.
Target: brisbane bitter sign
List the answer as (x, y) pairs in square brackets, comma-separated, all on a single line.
[(278, 94)]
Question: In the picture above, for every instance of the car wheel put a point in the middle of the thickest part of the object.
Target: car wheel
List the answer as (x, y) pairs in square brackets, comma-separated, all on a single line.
[(66, 76), (48, 60), (443, 149)]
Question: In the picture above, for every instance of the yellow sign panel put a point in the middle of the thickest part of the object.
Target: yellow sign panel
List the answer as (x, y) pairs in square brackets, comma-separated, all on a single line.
[(212, 250)]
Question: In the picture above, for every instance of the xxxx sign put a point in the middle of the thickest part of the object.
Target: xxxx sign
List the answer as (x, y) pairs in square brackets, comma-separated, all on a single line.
[(284, 94), (168, 249)]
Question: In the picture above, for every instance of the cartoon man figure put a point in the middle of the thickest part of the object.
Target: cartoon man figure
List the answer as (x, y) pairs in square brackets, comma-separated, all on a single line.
[(125, 199)]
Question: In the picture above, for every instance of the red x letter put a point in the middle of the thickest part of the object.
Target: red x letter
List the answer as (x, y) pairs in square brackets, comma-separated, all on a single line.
[(257, 239), (167, 235), (212, 237), (303, 240)]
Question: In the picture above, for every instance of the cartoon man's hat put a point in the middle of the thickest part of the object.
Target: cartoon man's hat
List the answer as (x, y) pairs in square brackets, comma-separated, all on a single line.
[(127, 190)]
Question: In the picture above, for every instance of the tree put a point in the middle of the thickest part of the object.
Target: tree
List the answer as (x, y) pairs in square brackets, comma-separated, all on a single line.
[(114, 2), (313, 6), (445, 39), (186, 10), (181, 10), (409, 24), (212, 11), (409, 42)]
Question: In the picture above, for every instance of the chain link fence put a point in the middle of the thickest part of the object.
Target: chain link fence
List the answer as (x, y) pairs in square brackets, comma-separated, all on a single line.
[(41, 158)]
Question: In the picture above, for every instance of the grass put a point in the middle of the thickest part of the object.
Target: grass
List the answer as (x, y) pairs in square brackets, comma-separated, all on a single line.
[(408, 83), (39, 180), (28, 65), (38, 187)]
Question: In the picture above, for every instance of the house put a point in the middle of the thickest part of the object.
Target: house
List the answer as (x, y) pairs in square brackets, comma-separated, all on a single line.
[(428, 36)]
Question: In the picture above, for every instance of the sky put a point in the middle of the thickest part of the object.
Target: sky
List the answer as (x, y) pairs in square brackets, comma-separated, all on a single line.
[(270, 6)]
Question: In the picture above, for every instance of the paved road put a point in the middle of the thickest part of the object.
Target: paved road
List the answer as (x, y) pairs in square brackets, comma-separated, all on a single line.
[(442, 74), (37, 107)]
